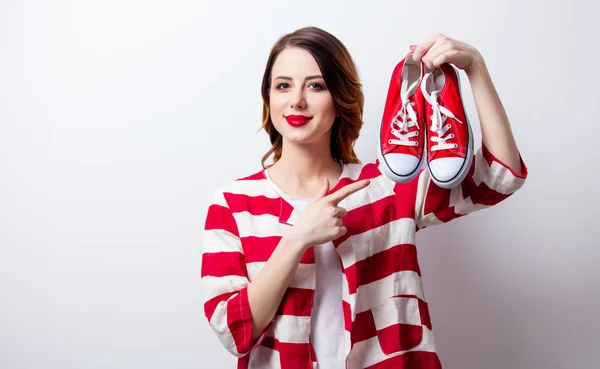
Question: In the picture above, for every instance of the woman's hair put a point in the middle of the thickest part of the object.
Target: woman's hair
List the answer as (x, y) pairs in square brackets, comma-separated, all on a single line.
[(341, 78)]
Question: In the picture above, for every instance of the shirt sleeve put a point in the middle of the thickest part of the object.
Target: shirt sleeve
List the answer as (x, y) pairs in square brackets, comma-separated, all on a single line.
[(488, 182), (225, 280)]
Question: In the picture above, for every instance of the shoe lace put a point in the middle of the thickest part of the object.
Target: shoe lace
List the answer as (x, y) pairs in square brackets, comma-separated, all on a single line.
[(405, 119), (438, 119)]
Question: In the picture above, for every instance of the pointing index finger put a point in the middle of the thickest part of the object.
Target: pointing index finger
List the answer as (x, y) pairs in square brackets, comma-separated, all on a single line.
[(346, 191)]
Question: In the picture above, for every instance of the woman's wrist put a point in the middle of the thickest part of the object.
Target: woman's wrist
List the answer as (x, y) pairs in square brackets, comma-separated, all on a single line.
[(295, 241)]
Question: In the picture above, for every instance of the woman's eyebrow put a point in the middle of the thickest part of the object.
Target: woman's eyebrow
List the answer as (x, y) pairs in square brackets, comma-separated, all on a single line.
[(305, 79)]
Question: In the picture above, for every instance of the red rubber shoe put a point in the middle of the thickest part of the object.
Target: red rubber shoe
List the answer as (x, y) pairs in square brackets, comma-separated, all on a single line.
[(450, 139), (402, 130)]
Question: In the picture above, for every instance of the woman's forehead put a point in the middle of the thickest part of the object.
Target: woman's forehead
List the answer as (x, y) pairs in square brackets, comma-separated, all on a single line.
[(295, 63)]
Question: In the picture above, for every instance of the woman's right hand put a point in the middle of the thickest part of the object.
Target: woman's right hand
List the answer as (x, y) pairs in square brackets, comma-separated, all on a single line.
[(321, 221)]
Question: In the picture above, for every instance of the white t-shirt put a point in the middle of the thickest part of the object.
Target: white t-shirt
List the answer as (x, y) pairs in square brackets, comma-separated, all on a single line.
[(327, 320)]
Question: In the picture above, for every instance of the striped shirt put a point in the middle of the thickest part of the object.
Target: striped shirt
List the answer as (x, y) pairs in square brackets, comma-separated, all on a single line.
[(386, 316)]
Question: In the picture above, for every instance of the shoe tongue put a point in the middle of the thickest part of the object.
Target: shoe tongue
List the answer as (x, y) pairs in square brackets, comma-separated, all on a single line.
[(435, 80), (439, 79), (405, 89)]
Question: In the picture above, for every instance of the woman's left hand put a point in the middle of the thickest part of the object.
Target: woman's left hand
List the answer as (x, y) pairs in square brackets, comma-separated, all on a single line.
[(440, 49)]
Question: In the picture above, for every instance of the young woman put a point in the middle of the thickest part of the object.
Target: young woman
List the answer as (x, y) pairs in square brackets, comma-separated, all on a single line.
[(312, 261)]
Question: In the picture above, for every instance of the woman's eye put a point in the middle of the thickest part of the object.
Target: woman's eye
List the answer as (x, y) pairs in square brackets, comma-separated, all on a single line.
[(314, 86)]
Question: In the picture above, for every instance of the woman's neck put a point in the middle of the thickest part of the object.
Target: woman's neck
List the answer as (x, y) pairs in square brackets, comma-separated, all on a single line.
[(301, 170)]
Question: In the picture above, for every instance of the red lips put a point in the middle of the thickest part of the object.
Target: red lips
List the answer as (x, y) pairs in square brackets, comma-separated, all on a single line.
[(297, 120)]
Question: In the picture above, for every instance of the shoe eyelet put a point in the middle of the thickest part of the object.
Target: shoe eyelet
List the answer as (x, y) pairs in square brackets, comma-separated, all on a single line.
[(390, 142), (412, 103), (455, 146)]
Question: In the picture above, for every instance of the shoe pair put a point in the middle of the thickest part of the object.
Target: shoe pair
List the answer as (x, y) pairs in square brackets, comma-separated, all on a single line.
[(424, 120)]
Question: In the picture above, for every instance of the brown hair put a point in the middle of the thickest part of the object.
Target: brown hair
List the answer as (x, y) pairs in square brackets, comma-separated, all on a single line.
[(341, 78)]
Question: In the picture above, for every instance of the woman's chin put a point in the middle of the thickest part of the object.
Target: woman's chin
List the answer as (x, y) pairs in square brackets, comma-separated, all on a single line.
[(299, 140), (299, 137)]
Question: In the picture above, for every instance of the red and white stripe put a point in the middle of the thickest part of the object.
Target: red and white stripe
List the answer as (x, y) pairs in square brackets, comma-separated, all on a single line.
[(385, 310)]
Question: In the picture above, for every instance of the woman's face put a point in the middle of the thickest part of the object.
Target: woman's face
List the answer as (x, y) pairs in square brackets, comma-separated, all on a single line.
[(301, 106)]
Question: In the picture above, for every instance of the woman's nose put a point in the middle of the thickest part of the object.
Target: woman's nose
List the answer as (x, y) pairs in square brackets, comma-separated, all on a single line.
[(297, 99)]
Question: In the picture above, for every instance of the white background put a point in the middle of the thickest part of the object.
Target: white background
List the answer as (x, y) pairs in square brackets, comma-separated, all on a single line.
[(119, 119)]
